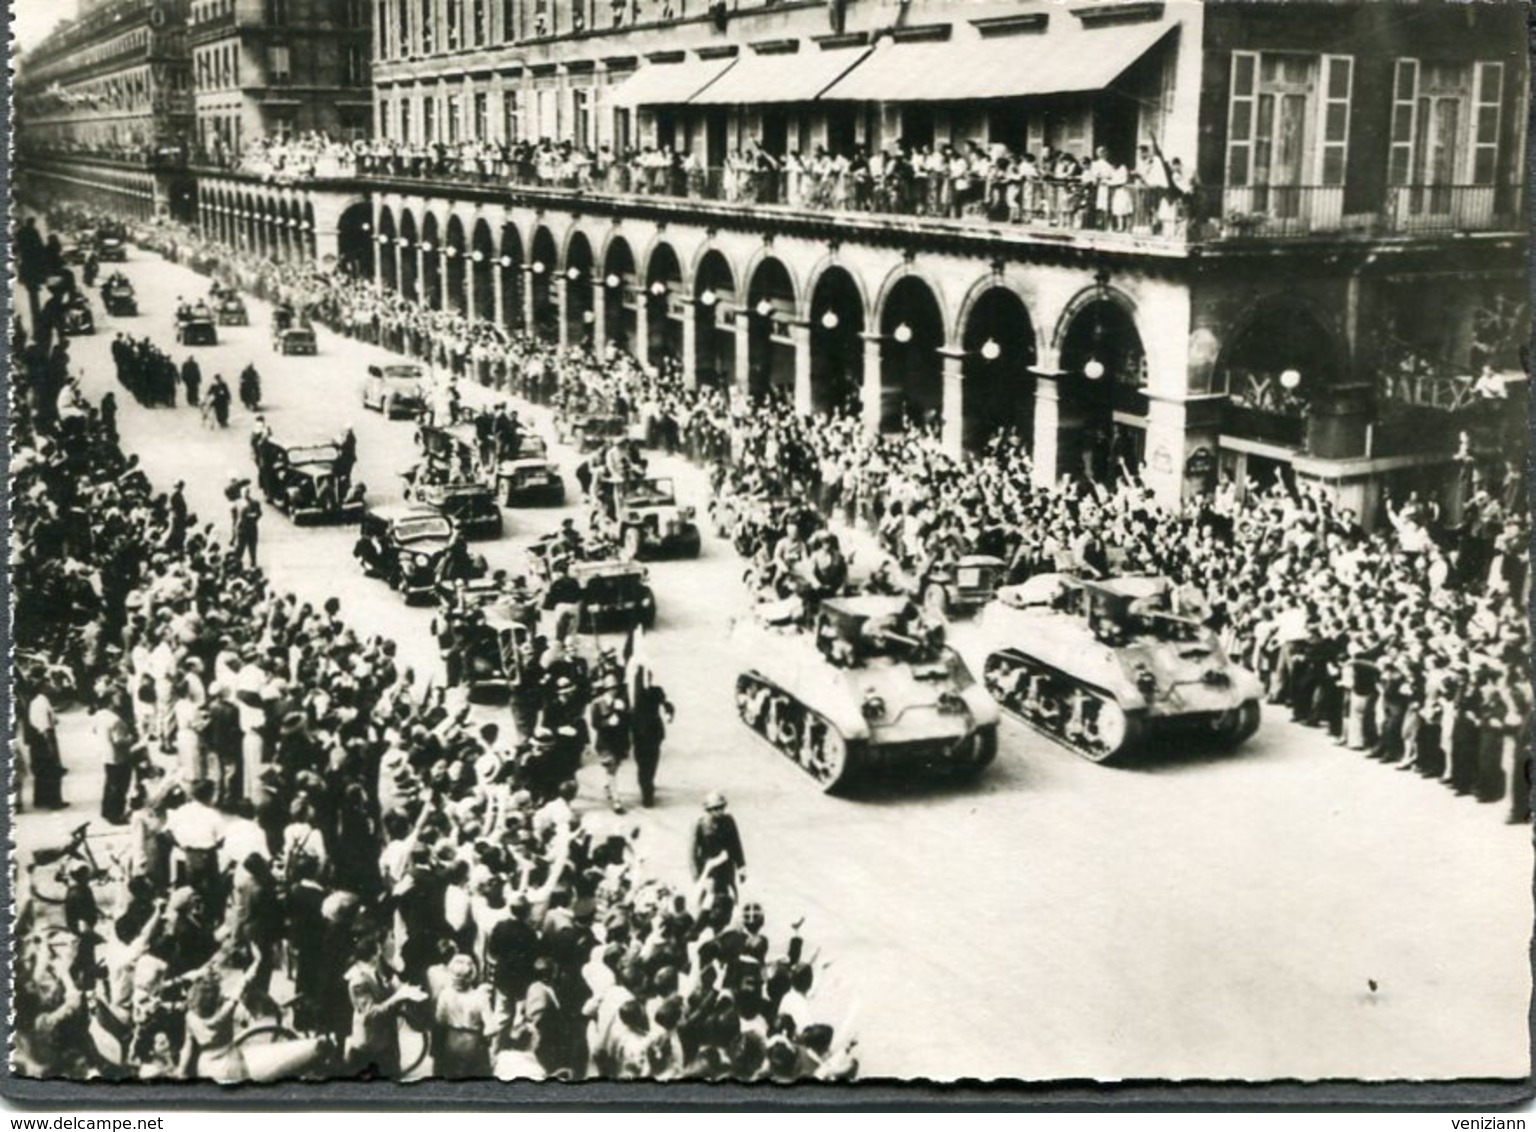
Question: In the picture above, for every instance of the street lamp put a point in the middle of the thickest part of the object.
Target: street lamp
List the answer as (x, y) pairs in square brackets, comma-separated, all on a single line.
[(426, 246), (902, 333), (477, 255), (1290, 379), (612, 282), (573, 274), (830, 320), (709, 298), (537, 267), (990, 350), (658, 289), (1094, 369), (764, 308)]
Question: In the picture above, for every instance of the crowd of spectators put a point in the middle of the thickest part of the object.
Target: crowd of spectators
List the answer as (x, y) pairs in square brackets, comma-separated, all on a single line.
[(1142, 192), (1405, 639), (320, 850)]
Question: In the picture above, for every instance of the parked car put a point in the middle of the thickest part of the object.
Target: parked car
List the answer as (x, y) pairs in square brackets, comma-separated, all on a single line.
[(395, 390)]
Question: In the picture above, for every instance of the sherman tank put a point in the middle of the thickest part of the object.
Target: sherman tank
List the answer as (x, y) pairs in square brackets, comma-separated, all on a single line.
[(852, 685), (1109, 668)]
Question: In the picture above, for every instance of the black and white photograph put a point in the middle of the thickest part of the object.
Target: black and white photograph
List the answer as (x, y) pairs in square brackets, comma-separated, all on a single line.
[(789, 543)]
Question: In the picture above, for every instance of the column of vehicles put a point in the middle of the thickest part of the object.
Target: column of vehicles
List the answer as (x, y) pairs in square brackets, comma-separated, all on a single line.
[(851, 681)]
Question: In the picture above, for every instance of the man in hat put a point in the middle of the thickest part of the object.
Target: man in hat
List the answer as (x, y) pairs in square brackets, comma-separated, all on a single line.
[(609, 718)]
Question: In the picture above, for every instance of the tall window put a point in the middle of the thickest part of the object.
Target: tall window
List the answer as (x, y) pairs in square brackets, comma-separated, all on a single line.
[(278, 73), (277, 13), (402, 28), (581, 117), (381, 31), (426, 27), (510, 117), (405, 120), (508, 20), (354, 65), (482, 116), (454, 14), (453, 109), (428, 123), (1288, 123), (482, 18), (1447, 119)]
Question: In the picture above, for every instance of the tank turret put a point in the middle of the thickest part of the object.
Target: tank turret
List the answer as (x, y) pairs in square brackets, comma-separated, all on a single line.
[(850, 685), (1109, 667)]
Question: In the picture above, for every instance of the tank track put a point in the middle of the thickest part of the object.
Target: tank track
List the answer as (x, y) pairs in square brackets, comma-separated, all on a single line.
[(796, 732), (1057, 706)]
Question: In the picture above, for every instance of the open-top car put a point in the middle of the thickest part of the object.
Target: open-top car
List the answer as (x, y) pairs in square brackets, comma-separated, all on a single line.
[(531, 478), (77, 316), (962, 586), (471, 505), (300, 480), (298, 338), (229, 309), (615, 593), (195, 327), (485, 635), (650, 522), (405, 546), (118, 296), (396, 390), (595, 432), (111, 243)]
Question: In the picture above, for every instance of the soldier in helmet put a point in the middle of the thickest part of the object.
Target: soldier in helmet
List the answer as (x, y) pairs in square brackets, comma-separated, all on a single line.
[(719, 863)]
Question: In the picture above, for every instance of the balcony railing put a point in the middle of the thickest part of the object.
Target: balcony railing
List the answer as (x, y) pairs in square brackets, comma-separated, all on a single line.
[(1133, 210), (1270, 212), (1452, 393)]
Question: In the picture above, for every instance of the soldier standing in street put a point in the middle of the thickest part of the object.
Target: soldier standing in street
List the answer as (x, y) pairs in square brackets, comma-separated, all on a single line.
[(719, 864), (650, 714), (191, 379), (609, 719), (247, 516), (218, 397)]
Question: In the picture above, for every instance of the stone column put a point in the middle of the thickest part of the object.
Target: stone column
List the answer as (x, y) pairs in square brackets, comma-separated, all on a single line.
[(560, 285), (874, 385), (952, 432), (800, 334), (691, 344), (1045, 453), (599, 315), (641, 347), (742, 379), (498, 292), (1164, 468), (528, 324)]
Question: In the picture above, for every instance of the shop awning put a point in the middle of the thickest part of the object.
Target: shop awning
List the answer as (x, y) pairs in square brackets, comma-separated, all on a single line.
[(1065, 61), (799, 77), (663, 84)]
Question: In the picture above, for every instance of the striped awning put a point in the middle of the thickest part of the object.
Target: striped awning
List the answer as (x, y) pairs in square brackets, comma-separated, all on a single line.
[(668, 84), (1068, 60), (798, 77)]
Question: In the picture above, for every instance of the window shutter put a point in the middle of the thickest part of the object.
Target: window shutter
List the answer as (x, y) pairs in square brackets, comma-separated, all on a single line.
[(1241, 116), (1338, 74), (1487, 104), (1405, 113)]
